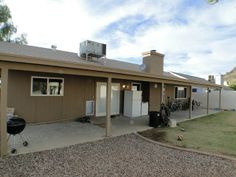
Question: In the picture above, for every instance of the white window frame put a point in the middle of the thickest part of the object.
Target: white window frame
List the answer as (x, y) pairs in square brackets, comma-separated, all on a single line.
[(182, 87), (48, 91)]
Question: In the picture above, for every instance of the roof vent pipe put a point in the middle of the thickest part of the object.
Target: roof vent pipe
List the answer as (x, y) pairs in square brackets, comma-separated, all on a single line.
[(54, 47)]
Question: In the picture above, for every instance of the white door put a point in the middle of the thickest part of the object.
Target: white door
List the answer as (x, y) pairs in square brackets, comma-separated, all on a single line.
[(101, 92), (115, 98)]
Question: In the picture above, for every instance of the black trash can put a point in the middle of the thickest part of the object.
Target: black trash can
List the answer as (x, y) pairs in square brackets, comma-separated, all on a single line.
[(154, 119)]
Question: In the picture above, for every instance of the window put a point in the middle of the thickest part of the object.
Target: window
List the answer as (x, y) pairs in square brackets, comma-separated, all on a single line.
[(39, 86), (44, 86), (180, 92), (55, 86), (194, 90)]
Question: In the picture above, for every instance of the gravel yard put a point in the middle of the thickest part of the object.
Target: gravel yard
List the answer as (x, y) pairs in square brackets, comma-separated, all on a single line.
[(127, 155)]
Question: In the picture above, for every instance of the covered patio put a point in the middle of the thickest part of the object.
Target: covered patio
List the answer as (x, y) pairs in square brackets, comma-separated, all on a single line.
[(63, 134)]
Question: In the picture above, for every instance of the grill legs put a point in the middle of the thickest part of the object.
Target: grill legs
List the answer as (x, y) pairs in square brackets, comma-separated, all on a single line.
[(24, 142)]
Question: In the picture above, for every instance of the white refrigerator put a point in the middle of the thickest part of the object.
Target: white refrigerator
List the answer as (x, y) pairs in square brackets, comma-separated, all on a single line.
[(132, 103)]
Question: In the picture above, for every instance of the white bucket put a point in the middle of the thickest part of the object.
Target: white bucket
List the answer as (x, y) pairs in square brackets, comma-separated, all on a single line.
[(172, 123)]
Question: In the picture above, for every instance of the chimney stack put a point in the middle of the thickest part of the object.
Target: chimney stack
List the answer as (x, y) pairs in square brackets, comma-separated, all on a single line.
[(153, 62), (211, 79)]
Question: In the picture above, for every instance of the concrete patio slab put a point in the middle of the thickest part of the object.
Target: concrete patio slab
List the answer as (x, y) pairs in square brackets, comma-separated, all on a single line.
[(54, 135), (125, 125), (63, 134), (181, 116)]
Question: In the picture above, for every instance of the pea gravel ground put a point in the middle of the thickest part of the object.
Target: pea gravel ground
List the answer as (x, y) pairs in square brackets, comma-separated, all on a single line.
[(127, 155)]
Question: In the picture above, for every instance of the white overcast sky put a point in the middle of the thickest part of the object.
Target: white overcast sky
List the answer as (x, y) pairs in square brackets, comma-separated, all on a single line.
[(196, 38)]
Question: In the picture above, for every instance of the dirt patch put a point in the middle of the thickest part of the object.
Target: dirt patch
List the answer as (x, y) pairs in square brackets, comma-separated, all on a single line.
[(154, 134)]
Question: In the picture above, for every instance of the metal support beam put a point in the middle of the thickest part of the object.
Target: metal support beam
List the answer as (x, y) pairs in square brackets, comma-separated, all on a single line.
[(208, 93), (108, 108), (220, 95), (3, 109), (190, 102)]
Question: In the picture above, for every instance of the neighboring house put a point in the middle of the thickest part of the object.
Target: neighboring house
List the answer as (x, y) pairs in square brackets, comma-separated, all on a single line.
[(48, 85), (230, 77)]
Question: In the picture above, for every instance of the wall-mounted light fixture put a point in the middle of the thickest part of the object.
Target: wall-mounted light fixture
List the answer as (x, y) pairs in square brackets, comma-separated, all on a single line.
[(155, 85)]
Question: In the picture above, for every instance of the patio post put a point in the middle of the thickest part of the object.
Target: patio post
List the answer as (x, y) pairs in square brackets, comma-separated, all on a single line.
[(108, 108), (190, 102), (208, 91), (162, 92), (3, 109), (220, 95)]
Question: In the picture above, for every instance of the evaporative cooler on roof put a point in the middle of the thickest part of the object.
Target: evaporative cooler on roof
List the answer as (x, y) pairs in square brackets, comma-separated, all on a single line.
[(90, 49)]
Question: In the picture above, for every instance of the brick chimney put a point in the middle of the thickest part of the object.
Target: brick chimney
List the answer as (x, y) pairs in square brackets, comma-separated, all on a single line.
[(153, 62)]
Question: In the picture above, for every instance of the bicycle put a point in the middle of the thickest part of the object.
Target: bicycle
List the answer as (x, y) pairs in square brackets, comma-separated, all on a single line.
[(195, 104), (175, 105)]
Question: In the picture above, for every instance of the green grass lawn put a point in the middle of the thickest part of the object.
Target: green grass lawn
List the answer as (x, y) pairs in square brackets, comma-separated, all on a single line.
[(214, 133)]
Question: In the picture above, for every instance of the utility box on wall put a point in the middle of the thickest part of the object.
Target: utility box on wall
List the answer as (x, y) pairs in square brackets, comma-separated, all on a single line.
[(89, 108)]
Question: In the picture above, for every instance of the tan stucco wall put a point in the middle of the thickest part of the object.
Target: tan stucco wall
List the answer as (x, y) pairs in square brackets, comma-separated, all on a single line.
[(49, 108), (77, 89), (155, 97), (37, 109), (170, 92)]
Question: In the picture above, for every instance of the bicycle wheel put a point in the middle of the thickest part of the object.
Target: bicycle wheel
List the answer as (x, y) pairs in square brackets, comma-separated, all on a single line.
[(173, 107)]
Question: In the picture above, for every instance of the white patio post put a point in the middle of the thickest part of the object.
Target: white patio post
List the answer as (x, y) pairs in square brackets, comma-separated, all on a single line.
[(190, 102), (108, 108), (220, 95), (208, 91), (3, 109)]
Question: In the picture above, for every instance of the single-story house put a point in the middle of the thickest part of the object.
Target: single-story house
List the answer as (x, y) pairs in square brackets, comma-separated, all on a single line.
[(49, 85)]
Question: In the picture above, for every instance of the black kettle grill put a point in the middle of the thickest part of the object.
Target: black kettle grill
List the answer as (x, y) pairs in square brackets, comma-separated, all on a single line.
[(15, 125)]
